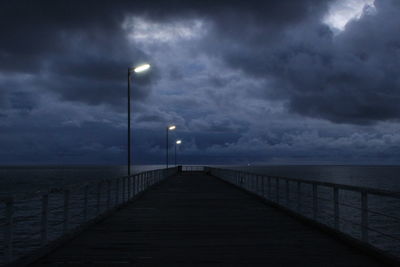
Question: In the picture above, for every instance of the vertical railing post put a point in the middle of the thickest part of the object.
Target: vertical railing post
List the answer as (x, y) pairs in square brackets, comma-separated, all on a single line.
[(123, 189), (364, 216), (269, 188), (134, 185), (287, 192), (98, 198), (248, 178), (8, 230), (258, 184), (116, 192), (150, 178), (66, 211), (315, 201), (139, 178), (129, 187), (108, 194), (85, 203), (336, 207), (262, 186), (44, 219), (298, 197)]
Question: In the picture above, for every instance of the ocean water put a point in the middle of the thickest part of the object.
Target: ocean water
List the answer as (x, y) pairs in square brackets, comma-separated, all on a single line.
[(380, 177), (27, 179), (24, 179)]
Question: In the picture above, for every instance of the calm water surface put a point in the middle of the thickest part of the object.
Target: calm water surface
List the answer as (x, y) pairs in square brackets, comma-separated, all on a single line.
[(27, 179), (23, 179), (382, 177)]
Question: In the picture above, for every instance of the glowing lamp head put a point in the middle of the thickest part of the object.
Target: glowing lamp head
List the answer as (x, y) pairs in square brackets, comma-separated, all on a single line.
[(172, 127), (178, 142), (141, 68)]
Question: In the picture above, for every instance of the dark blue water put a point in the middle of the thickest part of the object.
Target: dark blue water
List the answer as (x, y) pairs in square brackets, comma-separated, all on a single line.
[(381, 177), (26, 179)]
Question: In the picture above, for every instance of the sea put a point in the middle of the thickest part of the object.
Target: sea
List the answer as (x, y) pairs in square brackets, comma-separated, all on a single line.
[(26, 179)]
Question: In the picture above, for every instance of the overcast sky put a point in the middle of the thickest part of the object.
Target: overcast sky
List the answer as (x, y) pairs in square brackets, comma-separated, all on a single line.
[(260, 82)]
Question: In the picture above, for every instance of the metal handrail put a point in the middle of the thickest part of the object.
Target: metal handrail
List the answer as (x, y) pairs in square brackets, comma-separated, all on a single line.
[(368, 190), (281, 194), (86, 201), (190, 168)]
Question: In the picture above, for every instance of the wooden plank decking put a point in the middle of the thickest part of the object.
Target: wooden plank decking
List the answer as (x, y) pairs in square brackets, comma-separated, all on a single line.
[(197, 220)]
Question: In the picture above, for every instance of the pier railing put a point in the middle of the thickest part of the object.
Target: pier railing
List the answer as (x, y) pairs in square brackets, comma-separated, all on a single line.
[(193, 168), (368, 215), (32, 221)]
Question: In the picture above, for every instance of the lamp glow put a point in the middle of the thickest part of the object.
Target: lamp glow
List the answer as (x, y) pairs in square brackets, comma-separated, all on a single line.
[(178, 142), (141, 68), (172, 127)]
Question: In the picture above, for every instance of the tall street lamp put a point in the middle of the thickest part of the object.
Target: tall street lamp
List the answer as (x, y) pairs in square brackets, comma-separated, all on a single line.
[(169, 128), (178, 142), (137, 69)]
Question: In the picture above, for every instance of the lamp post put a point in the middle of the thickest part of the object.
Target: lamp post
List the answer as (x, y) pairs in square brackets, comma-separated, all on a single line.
[(178, 142), (137, 69), (169, 128)]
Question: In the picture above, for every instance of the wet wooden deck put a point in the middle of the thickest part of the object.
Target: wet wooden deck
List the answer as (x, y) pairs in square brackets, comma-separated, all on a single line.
[(197, 220)]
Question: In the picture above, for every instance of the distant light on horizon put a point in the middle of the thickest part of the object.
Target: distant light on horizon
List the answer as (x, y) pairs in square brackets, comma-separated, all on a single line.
[(142, 68)]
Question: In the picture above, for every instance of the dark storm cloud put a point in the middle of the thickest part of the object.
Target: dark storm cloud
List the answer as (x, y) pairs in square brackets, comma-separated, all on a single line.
[(242, 89), (348, 78), (75, 45)]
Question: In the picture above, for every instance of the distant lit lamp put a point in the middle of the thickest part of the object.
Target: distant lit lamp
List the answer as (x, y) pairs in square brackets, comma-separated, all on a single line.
[(178, 142), (137, 69), (169, 128)]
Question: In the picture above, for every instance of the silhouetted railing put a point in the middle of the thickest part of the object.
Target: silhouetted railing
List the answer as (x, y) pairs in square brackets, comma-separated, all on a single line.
[(31, 221), (194, 168), (369, 215)]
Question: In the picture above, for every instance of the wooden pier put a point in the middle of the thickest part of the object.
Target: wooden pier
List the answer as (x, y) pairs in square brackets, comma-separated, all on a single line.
[(194, 219)]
